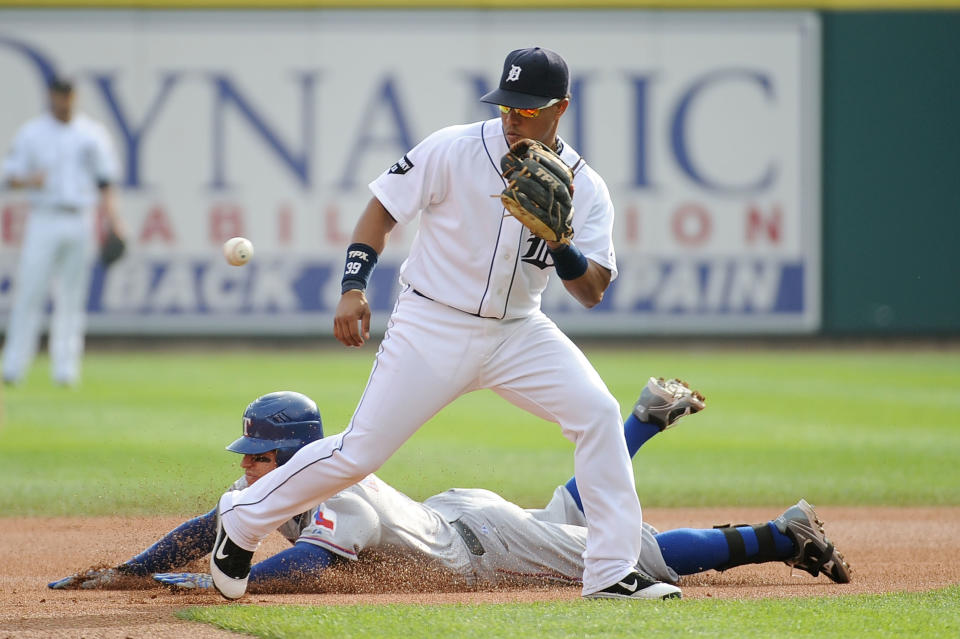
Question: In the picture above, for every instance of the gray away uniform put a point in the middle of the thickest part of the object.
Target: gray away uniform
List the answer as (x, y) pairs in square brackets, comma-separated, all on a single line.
[(471, 532)]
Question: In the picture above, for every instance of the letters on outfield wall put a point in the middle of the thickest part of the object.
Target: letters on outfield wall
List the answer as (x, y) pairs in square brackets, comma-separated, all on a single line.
[(271, 124)]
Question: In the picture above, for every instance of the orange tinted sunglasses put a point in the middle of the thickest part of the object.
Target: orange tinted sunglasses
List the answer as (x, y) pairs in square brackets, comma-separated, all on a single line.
[(527, 113)]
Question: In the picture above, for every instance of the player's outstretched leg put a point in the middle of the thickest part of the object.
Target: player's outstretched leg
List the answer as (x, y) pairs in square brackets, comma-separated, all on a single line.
[(637, 585), (796, 538), (660, 406), (815, 553), (229, 565)]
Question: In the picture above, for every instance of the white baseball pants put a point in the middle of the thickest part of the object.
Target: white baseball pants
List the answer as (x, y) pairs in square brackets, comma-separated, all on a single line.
[(57, 248), (430, 355)]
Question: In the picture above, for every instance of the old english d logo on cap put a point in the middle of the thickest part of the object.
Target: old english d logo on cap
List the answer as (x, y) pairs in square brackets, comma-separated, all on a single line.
[(531, 78)]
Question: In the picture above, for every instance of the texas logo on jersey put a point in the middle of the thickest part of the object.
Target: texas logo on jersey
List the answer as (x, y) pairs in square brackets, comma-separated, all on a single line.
[(326, 519)]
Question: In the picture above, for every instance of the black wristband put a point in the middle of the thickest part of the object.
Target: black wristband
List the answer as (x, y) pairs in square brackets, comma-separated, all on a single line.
[(569, 262), (361, 259)]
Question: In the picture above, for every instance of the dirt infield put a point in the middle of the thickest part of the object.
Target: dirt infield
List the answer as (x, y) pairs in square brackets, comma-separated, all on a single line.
[(890, 549)]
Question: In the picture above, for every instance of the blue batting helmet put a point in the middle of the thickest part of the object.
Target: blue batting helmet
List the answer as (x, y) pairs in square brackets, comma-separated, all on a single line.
[(284, 421)]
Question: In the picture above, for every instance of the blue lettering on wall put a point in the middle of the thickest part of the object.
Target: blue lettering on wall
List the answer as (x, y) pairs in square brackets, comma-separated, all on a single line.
[(641, 176), (477, 110), (714, 287), (790, 294), (385, 96), (721, 286), (298, 162), (308, 285), (44, 64), (678, 129), (132, 135), (576, 113)]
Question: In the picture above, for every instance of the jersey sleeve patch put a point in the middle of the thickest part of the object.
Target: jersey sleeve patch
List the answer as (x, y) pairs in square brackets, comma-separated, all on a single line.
[(402, 166)]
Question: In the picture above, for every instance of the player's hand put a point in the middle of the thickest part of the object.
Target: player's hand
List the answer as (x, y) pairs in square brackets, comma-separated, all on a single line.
[(351, 322), (32, 181), (185, 580), (67, 583), (91, 579)]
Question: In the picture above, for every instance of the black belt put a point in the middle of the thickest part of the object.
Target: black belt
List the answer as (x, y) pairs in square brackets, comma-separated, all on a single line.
[(468, 536), (416, 292)]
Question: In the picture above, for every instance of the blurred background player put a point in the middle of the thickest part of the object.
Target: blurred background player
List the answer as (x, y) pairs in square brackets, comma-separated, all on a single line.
[(66, 163), (452, 529)]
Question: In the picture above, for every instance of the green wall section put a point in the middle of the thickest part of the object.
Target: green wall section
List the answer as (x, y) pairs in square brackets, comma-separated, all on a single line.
[(891, 172)]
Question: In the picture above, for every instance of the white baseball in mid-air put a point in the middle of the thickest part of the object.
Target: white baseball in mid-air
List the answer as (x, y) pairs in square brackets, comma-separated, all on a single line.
[(238, 250)]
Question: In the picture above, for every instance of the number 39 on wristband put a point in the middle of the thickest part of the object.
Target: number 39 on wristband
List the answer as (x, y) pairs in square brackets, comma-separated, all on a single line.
[(361, 259)]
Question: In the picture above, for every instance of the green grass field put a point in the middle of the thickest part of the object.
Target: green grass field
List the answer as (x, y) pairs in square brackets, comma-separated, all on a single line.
[(145, 433), (912, 615)]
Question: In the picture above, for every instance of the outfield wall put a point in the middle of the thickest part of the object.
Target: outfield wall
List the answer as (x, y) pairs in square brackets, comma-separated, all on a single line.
[(705, 125), (891, 173)]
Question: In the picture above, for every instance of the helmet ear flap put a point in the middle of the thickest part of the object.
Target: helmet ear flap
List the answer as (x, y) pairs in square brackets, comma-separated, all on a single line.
[(284, 455)]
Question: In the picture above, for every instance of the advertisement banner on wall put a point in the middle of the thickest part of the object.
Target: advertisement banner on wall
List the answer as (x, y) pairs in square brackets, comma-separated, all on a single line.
[(270, 125)]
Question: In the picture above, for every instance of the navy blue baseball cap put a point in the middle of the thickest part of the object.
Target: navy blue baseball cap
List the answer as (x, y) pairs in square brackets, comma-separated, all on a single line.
[(532, 78), (60, 84)]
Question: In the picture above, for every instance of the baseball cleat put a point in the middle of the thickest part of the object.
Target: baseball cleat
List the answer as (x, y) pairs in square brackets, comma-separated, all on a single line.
[(637, 585), (229, 565), (663, 402), (815, 553)]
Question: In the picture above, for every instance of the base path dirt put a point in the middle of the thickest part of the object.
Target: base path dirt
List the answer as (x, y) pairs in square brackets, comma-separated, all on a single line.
[(890, 549)]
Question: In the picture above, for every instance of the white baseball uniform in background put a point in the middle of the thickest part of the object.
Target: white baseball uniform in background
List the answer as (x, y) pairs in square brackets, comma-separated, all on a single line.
[(469, 318), (59, 240)]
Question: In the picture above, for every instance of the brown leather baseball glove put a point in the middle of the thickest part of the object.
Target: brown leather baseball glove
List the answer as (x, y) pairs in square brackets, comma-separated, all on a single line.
[(112, 248), (539, 190)]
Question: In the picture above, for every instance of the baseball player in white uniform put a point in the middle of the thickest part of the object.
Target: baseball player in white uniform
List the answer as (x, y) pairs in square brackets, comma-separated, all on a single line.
[(65, 161), (468, 318), (470, 536)]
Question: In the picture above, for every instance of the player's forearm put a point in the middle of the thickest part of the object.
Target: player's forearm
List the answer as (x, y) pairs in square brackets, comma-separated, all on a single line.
[(588, 289), (108, 204), (374, 226), (188, 541)]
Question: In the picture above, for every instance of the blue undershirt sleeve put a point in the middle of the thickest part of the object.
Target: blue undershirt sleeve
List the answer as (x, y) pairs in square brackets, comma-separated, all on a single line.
[(303, 559), (190, 540)]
